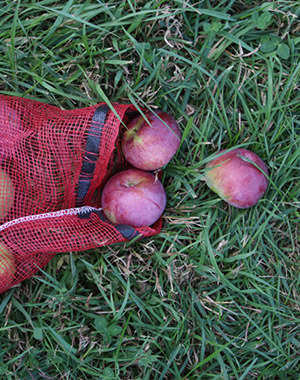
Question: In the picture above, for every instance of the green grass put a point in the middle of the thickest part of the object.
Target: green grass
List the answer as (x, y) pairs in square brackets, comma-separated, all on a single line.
[(216, 294)]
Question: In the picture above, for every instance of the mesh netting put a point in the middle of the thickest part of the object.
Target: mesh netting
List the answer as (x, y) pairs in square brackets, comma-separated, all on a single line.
[(53, 165)]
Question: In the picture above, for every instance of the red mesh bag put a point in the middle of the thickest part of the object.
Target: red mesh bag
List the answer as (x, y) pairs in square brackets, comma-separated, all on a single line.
[(53, 165)]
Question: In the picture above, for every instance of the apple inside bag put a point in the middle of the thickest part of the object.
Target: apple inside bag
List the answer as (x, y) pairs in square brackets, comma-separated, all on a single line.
[(51, 181), (76, 229)]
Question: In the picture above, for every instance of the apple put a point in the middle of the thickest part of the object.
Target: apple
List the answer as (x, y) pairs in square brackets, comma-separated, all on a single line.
[(149, 147), (7, 266), (134, 197), (7, 193), (235, 179)]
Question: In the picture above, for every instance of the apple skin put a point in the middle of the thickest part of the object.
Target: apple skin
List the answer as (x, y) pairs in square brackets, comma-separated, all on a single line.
[(133, 197), (150, 147), (237, 181), (7, 193), (7, 266)]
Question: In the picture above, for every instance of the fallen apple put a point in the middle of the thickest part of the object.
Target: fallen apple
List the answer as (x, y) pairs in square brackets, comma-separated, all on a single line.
[(133, 197), (236, 179), (7, 193), (151, 146), (7, 266)]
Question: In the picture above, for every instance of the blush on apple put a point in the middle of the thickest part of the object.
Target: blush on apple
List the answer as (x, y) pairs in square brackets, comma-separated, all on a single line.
[(133, 197), (235, 179), (7, 266), (7, 193), (151, 146)]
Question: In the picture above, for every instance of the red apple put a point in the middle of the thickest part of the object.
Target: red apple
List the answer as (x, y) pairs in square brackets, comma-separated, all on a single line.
[(133, 197), (7, 192), (235, 179), (7, 266), (149, 147)]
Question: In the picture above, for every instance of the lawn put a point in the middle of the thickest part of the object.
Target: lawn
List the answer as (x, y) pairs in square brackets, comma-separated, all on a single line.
[(216, 294)]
